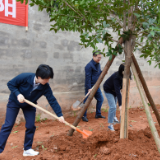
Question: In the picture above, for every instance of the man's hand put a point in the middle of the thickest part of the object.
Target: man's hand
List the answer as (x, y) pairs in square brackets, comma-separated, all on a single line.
[(61, 119), (89, 90), (120, 107), (20, 98)]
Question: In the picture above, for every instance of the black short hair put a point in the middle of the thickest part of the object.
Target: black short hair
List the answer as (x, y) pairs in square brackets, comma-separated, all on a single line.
[(96, 53), (121, 69), (44, 71)]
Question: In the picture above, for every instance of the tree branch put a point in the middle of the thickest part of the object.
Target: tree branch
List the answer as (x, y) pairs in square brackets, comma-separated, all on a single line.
[(124, 18), (72, 8)]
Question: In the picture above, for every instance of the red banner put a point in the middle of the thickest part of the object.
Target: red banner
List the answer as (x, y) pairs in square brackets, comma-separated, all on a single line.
[(12, 12)]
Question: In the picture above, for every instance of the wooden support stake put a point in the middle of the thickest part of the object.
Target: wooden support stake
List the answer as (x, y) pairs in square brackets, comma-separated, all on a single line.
[(150, 99), (124, 88), (126, 111), (149, 117)]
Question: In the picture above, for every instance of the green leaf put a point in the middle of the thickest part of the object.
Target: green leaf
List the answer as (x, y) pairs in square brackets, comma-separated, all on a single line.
[(155, 46), (26, 2), (141, 39), (99, 40), (108, 53), (137, 15), (149, 61), (119, 32), (151, 21), (104, 24), (31, 4), (149, 35), (152, 33), (145, 24), (51, 2), (103, 32), (110, 57), (92, 45), (115, 53)]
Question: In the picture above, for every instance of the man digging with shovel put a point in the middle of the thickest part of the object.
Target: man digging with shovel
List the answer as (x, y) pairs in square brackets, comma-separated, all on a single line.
[(92, 73), (30, 86)]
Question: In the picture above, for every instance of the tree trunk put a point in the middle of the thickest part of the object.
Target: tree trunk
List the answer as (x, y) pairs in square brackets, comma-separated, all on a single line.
[(93, 92), (146, 88), (149, 117), (125, 88)]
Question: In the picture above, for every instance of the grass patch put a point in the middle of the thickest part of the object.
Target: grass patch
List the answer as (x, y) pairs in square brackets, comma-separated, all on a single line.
[(101, 125), (74, 113), (90, 129), (95, 156), (14, 147), (133, 121), (44, 147), (38, 118), (105, 109)]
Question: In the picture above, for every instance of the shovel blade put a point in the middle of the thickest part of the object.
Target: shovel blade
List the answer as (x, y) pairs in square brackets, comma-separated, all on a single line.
[(85, 133), (76, 106)]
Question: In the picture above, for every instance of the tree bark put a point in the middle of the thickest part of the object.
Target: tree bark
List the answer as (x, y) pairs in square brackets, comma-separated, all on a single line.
[(149, 117), (125, 88), (93, 92), (146, 88)]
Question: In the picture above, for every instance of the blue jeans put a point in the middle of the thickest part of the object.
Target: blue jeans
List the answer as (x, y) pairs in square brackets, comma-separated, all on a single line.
[(112, 100), (11, 114), (99, 97)]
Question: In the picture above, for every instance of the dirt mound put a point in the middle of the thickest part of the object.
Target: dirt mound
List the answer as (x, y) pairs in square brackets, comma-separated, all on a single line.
[(52, 142), (102, 145)]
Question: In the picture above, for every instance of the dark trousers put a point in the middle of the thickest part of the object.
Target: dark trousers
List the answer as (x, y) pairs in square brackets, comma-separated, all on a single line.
[(11, 114), (99, 97)]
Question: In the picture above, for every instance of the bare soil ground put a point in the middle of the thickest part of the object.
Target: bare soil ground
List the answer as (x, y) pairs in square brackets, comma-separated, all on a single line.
[(53, 143)]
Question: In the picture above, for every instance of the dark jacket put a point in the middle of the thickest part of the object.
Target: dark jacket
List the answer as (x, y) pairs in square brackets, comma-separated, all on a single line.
[(113, 85), (92, 73), (23, 84)]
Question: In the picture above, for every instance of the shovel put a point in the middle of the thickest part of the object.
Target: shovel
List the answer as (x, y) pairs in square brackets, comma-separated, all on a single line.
[(85, 133), (78, 104)]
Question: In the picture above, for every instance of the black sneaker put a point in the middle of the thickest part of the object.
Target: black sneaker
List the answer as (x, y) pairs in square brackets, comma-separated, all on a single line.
[(100, 116), (84, 119)]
